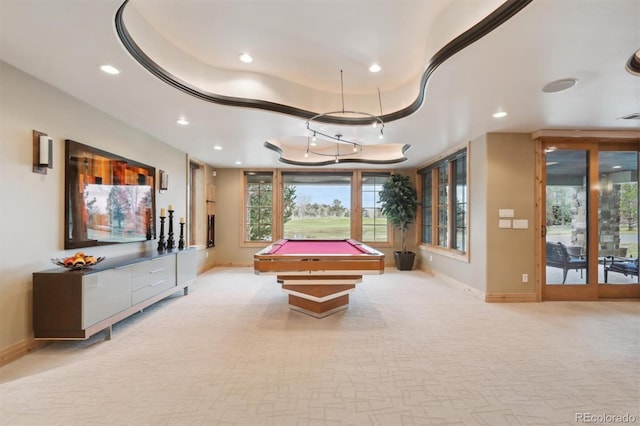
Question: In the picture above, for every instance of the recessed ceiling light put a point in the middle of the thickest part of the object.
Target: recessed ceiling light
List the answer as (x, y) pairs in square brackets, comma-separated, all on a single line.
[(182, 121), (375, 68), (246, 58), (217, 148), (238, 162), (560, 85), (499, 114), (616, 167), (633, 65), (109, 69)]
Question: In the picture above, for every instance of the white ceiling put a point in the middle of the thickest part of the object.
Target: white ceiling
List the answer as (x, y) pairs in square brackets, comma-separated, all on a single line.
[(299, 48)]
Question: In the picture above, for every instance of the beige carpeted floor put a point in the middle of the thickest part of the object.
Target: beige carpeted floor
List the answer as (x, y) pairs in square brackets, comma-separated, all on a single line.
[(410, 350)]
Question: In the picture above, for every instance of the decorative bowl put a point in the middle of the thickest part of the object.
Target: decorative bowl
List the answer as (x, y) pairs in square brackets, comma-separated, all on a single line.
[(77, 263)]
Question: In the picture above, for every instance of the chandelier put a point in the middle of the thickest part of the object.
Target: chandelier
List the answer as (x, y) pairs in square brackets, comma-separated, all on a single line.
[(337, 137), (350, 146)]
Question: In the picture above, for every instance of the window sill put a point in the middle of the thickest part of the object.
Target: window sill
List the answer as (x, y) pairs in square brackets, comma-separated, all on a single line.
[(260, 244), (453, 254)]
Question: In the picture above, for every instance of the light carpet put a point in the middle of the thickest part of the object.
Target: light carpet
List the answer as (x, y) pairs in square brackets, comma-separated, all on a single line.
[(410, 350)]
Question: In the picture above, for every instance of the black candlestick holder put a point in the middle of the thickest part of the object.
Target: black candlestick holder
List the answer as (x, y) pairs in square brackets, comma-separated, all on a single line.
[(161, 243), (147, 223), (170, 242), (181, 240)]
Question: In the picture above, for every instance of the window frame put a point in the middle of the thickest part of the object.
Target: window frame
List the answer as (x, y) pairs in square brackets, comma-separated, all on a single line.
[(274, 212), (361, 175), (448, 160), (335, 172), (278, 208)]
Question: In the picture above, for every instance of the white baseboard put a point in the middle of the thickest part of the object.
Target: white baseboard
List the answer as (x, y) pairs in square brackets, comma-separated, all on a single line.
[(487, 297)]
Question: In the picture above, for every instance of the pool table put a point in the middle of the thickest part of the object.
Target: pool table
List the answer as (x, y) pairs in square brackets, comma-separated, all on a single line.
[(318, 275)]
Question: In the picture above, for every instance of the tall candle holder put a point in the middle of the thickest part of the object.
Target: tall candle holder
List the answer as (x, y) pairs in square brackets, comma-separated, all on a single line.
[(161, 243), (170, 242), (181, 240)]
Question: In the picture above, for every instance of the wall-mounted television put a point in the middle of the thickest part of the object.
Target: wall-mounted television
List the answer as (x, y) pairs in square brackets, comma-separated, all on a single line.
[(108, 199)]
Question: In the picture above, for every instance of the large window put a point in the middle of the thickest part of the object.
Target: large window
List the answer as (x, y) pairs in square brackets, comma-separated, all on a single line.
[(445, 203), (319, 205), (258, 208), (331, 205)]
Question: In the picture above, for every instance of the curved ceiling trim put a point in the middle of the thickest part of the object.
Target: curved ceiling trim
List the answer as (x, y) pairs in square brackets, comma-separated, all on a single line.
[(375, 156), (496, 18)]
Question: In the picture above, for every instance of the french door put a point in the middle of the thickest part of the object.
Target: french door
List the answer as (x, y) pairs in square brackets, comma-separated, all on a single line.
[(588, 219)]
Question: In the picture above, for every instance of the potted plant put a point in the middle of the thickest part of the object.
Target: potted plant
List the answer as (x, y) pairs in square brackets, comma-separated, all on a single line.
[(399, 202)]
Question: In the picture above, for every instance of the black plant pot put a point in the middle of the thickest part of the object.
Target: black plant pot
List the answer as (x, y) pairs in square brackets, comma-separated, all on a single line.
[(404, 261)]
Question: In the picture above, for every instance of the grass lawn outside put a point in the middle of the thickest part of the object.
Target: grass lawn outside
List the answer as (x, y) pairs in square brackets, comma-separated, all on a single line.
[(334, 228)]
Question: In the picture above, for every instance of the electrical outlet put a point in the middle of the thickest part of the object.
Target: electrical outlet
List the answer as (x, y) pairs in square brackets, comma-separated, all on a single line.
[(430, 258), (525, 278), (206, 253)]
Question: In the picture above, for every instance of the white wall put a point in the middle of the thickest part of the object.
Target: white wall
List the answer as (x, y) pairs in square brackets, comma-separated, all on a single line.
[(31, 205)]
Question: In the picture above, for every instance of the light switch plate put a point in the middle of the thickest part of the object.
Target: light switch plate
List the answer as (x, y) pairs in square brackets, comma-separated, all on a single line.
[(505, 212), (520, 223)]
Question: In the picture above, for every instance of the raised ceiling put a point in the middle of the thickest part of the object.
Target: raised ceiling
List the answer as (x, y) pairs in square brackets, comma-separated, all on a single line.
[(299, 48)]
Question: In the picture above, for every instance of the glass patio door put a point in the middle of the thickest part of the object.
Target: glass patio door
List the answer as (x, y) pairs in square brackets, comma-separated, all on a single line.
[(618, 224), (566, 218), (589, 221)]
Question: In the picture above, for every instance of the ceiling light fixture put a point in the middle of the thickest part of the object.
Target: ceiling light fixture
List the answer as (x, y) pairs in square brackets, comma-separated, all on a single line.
[(375, 68), (217, 147), (182, 121), (110, 69), (616, 167), (559, 85), (246, 58), (238, 163), (499, 114), (315, 130)]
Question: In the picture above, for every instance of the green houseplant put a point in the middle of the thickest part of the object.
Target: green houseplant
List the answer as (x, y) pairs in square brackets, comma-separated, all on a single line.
[(399, 203)]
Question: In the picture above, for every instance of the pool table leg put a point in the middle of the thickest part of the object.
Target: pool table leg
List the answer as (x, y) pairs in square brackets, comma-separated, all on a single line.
[(318, 309), (318, 300)]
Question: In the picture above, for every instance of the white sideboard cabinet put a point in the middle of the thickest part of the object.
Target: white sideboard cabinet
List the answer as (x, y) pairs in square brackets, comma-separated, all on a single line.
[(71, 305)]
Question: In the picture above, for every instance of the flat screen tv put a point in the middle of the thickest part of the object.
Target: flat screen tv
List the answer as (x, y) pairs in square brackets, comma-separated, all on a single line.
[(108, 199)]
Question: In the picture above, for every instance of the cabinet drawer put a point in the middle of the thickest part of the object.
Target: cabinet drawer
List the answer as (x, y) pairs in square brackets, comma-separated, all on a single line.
[(158, 286), (105, 294), (151, 272)]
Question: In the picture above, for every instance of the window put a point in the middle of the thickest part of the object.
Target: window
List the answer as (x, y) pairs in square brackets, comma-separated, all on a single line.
[(330, 205), (459, 202), (374, 223), (319, 205), (445, 203), (196, 223), (258, 209), (427, 208)]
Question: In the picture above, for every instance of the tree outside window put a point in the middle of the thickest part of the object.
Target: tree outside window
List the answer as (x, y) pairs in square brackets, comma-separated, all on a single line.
[(258, 206)]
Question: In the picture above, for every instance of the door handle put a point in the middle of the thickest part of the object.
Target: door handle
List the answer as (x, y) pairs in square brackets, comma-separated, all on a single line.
[(544, 231)]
